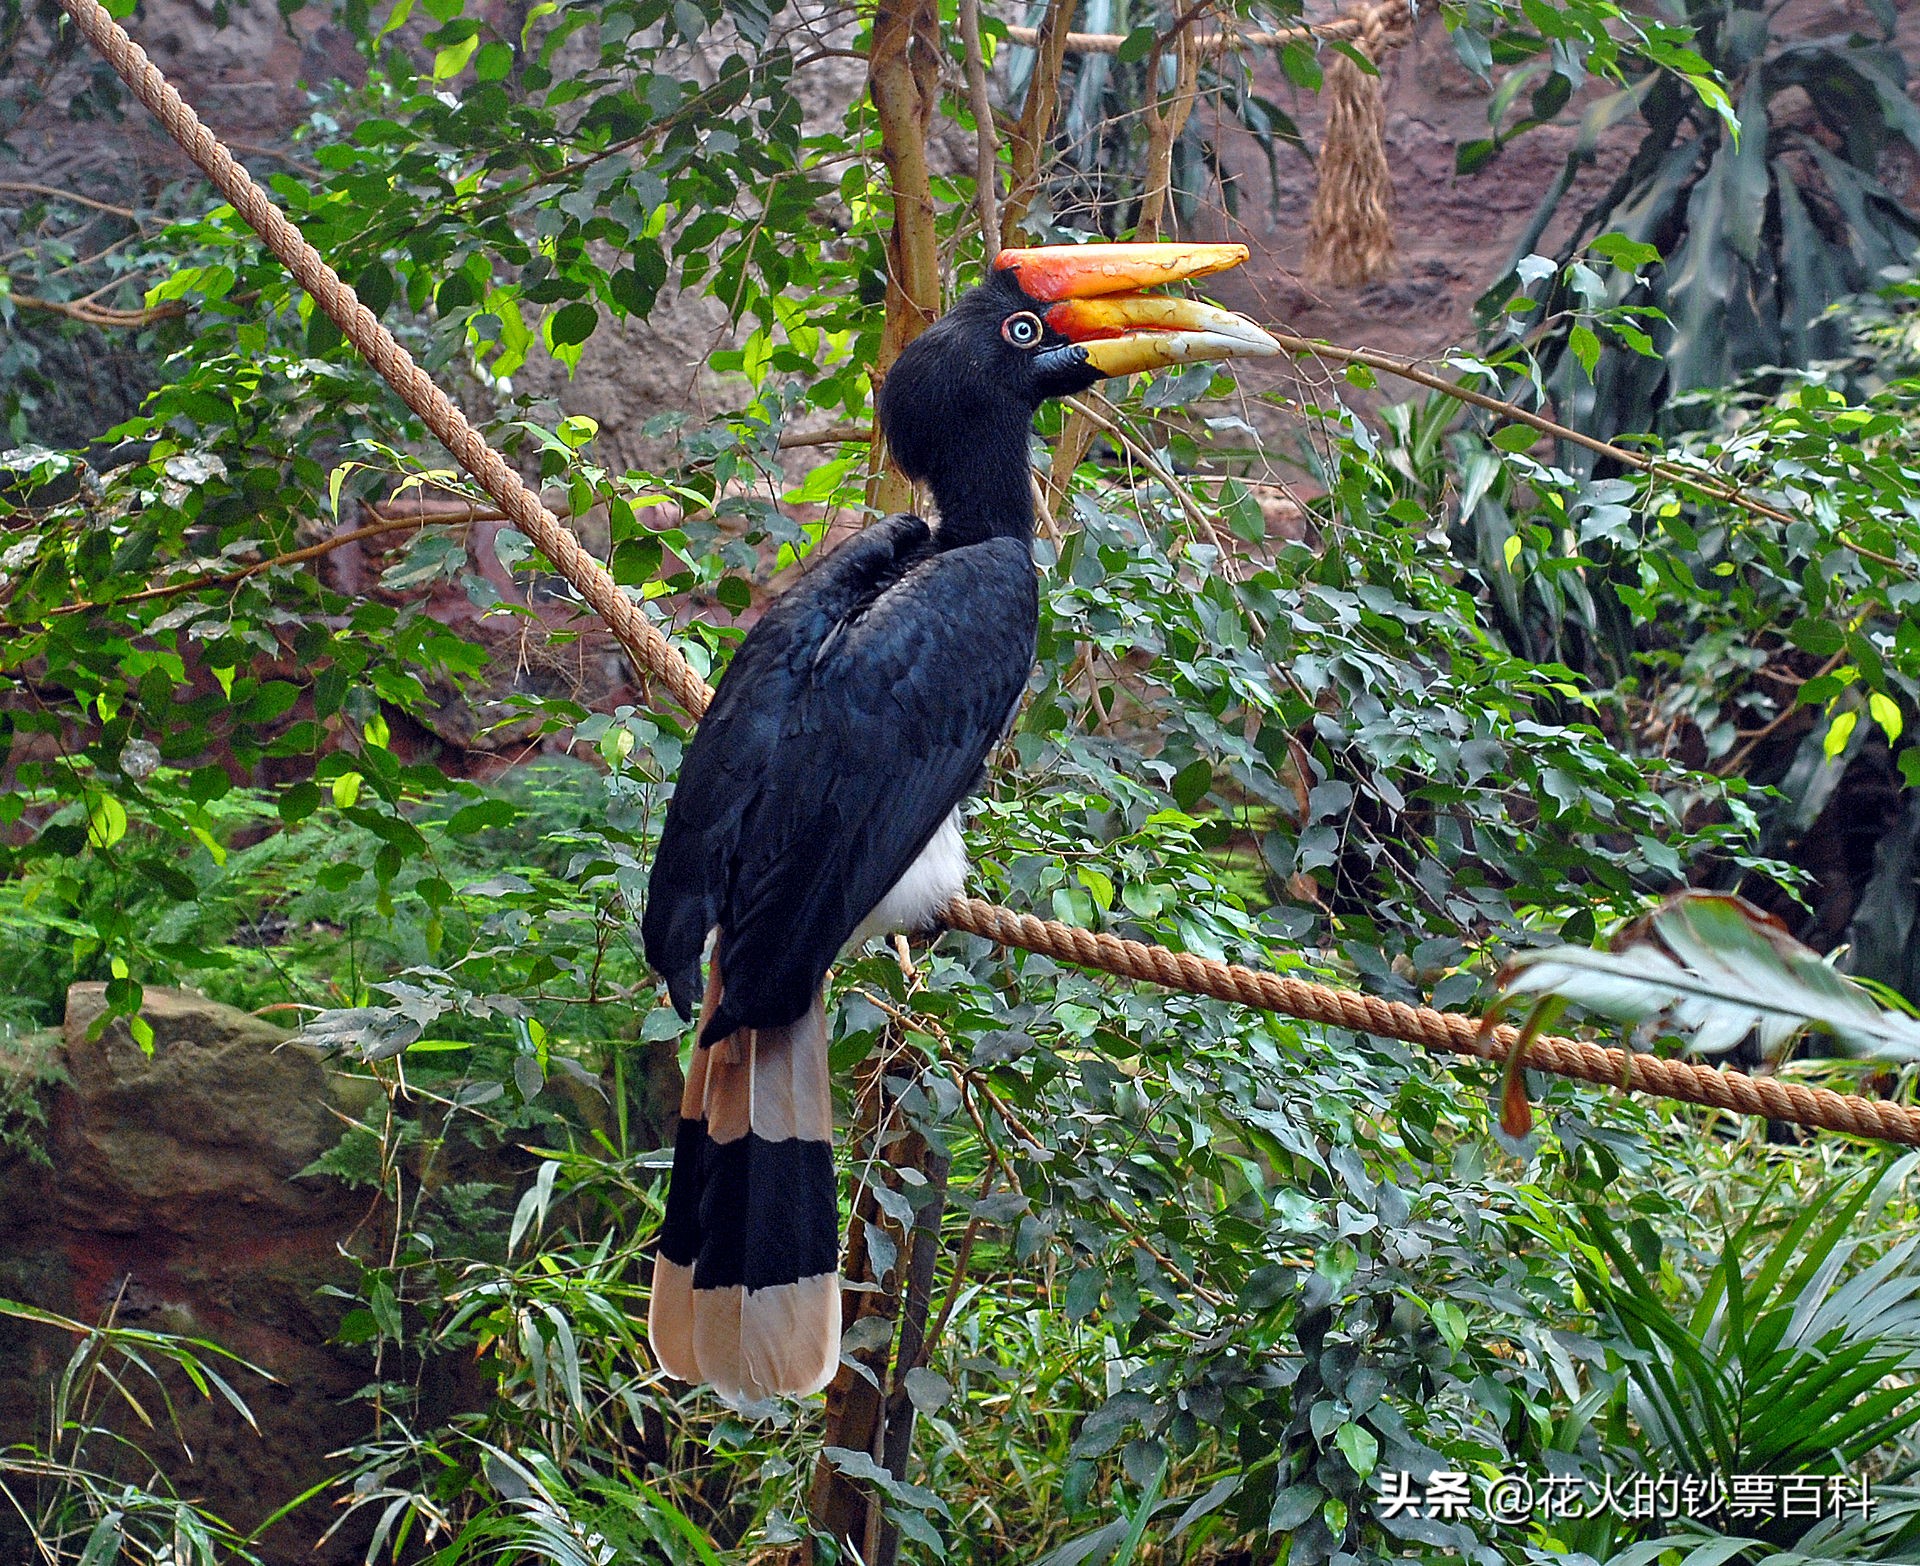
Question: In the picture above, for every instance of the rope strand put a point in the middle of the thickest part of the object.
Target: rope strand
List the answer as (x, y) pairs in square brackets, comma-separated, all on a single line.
[(1442, 1030), (1450, 1031), (380, 349)]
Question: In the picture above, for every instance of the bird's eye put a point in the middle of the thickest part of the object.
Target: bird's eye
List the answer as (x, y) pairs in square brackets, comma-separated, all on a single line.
[(1022, 330)]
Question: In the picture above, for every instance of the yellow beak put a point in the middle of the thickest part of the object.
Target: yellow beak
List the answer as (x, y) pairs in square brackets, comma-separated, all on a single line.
[(1093, 291)]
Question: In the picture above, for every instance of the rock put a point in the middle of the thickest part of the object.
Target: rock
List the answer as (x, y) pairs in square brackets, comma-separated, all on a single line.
[(207, 1135), (170, 1197)]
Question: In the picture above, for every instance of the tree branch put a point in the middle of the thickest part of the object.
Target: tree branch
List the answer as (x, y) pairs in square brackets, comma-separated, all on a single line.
[(832, 435), (1209, 43), (903, 78), (986, 169), (1700, 483), (292, 557), (54, 193), (104, 316), (1164, 124), (1036, 117)]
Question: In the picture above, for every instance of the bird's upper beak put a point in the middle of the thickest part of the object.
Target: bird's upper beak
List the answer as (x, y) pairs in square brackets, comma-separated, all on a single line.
[(1094, 299)]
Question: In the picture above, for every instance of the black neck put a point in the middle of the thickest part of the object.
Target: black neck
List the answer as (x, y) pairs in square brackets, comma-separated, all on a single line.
[(982, 482)]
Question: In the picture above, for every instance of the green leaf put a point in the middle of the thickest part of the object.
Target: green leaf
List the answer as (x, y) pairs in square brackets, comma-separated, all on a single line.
[(1838, 733), (1713, 969), (1628, 254), (452, 60), (106, 820), (298, 802), (822, 483), (481, 816), (1099, 886), (572, 324), (1585, 344), (1472, 156), (1359, 1446), (1192, 783), (1822, 638), (1302, 66), (494, 62)]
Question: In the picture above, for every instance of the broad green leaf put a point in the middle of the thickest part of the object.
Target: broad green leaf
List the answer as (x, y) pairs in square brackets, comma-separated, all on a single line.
[(106, 820), (1713, 971)]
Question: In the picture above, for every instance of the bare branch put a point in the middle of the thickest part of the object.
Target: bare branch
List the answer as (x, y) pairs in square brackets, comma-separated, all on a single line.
[(986, 171), (832, 435), (54, 193), (1209, 43), (293, 557), (1036, 117), (903, 77), (1166, 119), (104, 316)]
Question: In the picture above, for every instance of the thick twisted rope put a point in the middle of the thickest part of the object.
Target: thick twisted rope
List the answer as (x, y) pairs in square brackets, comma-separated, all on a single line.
[(1350, 237), (378, 347), (1697, 1084), (1445, 1030)]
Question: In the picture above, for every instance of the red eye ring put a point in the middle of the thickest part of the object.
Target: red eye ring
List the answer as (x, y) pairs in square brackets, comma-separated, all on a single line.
[(1022, 329)]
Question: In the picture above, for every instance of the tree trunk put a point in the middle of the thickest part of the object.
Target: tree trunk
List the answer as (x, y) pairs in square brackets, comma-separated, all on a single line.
[(904, 78), (871, 1412)]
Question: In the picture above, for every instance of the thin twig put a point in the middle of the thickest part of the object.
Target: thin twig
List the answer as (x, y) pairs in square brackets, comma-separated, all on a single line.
[(230, 578), (1194, 511), (260, 151), (1751, 742), (963, 1254), (423, 510)]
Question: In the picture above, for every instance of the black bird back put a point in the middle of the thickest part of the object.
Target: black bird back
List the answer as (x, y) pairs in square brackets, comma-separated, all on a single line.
[(852, 720)]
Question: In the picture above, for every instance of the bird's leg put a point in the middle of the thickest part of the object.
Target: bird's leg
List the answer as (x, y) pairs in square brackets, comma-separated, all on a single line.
[(900, 950)]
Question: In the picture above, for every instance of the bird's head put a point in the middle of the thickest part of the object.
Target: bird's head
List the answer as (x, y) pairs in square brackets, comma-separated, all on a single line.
[(1048, 322)]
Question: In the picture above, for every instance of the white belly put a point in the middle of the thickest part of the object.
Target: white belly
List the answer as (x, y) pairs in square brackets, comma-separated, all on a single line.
[(932, 881)]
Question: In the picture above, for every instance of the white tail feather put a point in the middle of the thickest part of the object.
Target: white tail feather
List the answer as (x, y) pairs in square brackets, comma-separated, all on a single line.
[(753, 1344)]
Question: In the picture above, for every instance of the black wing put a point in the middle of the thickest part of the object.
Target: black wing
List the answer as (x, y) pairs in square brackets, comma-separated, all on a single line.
[(851, 721)]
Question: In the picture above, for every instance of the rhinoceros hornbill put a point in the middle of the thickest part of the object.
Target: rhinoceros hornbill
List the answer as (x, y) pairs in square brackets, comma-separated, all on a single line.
[(819, 803)]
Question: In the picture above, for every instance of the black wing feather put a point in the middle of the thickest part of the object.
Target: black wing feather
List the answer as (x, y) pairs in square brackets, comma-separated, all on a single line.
[(852, 720)]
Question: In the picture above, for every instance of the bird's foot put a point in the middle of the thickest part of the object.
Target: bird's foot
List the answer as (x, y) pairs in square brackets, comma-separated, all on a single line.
[(900, 950)]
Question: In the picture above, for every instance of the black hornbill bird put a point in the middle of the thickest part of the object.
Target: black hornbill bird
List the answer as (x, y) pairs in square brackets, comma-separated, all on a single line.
[(819, 803)]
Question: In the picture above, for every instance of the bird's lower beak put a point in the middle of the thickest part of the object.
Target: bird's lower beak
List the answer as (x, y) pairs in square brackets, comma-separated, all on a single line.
[(1126, 333), (1095, 302)]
